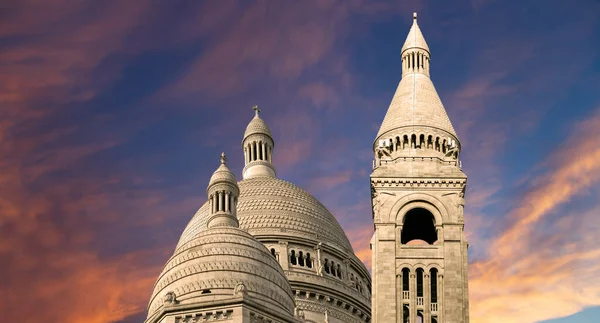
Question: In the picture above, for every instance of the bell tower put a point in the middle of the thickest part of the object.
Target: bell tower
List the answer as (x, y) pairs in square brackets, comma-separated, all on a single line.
[(419, 250)]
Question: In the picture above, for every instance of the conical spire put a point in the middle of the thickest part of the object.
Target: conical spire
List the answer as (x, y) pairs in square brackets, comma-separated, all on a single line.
[(415, 38), (223, 193), (416, 103), (258, 148)]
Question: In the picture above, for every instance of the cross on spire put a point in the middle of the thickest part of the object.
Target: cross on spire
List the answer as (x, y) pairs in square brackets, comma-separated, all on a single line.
[(256, 109), (223, 158)]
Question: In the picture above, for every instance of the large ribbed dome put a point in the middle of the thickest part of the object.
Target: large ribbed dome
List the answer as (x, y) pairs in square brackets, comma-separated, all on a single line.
[(268, 205), (271, 205), (212, 263)]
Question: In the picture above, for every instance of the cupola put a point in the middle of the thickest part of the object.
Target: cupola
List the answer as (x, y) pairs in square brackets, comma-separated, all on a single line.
[(223, 193), (258, 148), (415, 52)]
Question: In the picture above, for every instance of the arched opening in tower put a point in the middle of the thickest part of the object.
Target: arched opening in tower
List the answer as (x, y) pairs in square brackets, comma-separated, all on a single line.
[(419, 224)]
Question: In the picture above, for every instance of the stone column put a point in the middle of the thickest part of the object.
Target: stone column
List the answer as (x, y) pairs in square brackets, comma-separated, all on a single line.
[(426, 297), (399, 299), (284, 259), (346, 272), (441, 307), (264, 151), (227, 206), (413, 297)]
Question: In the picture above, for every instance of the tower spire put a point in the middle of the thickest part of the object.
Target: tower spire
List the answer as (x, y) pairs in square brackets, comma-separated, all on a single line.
[(258, 148), (416, 120)]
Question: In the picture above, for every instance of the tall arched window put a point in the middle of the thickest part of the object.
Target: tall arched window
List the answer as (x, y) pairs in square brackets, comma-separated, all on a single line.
[(419, 282), (300, 259), (433, 284), (405, 279), (308, 261), (293, 258)]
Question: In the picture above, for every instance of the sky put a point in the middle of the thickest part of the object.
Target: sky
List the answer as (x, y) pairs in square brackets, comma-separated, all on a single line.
[(113, 115)]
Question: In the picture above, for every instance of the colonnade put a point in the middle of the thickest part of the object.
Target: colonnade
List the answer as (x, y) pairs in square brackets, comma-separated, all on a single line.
[(421, 296), (223, 201), (258, 151)]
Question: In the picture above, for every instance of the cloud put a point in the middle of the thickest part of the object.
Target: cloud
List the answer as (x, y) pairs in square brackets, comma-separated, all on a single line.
[(554, 274)]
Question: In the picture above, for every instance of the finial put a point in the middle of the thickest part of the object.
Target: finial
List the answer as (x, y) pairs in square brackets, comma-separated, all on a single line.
[(414, 16), (223, 158), (256, 109)]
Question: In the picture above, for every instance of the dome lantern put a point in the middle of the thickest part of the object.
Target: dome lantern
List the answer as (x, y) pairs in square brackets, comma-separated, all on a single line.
[(258, 148), (223, 193)]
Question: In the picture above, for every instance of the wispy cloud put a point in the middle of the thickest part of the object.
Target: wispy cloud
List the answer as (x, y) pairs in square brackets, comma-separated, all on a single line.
[(556, 279)]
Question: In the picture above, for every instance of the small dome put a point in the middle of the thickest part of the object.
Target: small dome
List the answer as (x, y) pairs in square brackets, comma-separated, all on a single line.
[(417, 242), (221, 264), (222, 174), (257, 125)]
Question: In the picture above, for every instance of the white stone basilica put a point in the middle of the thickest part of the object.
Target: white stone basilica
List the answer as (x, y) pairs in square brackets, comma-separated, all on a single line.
[(264, 250)]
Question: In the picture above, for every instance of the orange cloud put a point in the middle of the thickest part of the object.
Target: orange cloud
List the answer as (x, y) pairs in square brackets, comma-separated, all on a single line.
[(530, 279), (361, 241)]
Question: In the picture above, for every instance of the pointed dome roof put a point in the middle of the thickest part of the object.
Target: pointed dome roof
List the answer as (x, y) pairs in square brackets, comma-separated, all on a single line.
[(257, 125), (415, 38), (222, 174), (416, 102)]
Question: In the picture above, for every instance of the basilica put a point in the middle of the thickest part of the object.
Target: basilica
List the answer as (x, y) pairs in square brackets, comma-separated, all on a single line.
[(264, 250)]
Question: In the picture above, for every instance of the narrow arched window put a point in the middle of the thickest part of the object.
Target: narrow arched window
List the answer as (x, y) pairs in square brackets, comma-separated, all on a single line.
[(339, 272), (273, 253), (327, 266), (433, 284), (300, 259), (308, 261), (333, 268), (420, 282), (405, 279), (293, 258)]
